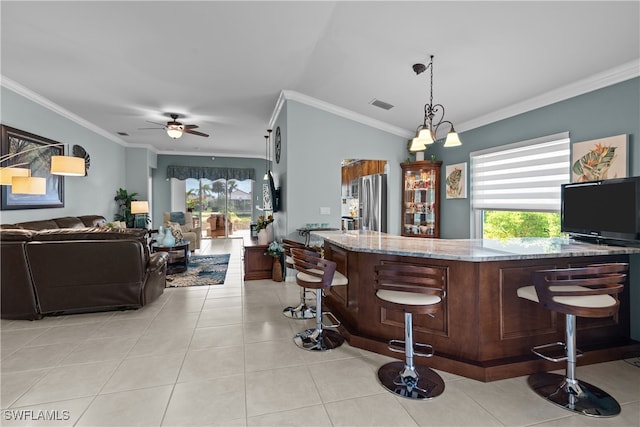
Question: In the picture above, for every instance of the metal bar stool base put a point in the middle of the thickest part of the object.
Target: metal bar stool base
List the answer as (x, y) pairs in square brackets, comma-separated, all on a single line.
[(592, 402), (428, 385), (299, 312), (318, 340)]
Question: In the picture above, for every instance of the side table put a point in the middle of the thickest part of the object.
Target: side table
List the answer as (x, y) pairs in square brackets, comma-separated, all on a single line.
[(178, 256)]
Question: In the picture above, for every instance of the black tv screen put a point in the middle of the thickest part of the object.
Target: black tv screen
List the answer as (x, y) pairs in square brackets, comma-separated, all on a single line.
[(275, 193), (607, 209)]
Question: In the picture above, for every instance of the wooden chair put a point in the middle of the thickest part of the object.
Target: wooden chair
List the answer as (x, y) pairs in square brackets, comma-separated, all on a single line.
[(589, 291), (302, 310), (411, 289), (319, 274)]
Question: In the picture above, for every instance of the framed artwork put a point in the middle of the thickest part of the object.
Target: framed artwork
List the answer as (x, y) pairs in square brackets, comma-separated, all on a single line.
[(266, 198), (456, 181), (15, 141), (603, 158)]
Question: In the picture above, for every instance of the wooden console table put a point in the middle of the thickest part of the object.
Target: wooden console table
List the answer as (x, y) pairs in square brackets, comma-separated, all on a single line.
[(257, 264)]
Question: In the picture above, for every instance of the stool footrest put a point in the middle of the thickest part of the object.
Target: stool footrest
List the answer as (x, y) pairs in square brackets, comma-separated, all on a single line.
[(332, 318), (537, 352), (419, 349)]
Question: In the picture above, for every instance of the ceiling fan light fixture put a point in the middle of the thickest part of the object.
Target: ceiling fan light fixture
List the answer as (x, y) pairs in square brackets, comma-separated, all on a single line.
[(174, 131)]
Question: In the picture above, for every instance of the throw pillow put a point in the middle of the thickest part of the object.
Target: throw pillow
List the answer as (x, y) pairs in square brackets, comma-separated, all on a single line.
[(178, 217), (176, 230)]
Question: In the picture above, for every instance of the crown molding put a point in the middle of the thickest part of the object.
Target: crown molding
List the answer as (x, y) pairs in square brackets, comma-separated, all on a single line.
[(52, 106), (597, 81), (290, 95)]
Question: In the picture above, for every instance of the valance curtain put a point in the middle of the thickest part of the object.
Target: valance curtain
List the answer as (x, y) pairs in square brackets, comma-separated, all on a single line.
[(199, 172)]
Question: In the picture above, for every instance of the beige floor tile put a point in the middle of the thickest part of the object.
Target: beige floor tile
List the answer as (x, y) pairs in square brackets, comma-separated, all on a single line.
[(220, 317), (311, 416), (217, 336), (212, 402), (212, 363), (13, 385), (143, 407), (272, 355), (511, 401), (68, 382), (217, 303), (618, 378), (17, 338), (144, 372), (377, 410), (628, 417), (44, 356), (345, 379), (59, 413), (268, 330), (71, 334), (452, 408), (279, 390), (121, 327), (96, 350), (159, 344)]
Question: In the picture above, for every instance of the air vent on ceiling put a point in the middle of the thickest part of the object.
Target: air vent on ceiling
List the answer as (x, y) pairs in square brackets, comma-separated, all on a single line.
[(122, 133), (381, 104)]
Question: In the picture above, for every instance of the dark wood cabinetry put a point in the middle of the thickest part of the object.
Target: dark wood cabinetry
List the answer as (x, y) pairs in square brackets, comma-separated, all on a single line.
[(257, 264), (421, 199), (360, 168)]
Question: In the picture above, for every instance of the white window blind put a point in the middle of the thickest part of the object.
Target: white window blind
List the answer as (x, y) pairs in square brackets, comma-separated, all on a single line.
[(524, 176)]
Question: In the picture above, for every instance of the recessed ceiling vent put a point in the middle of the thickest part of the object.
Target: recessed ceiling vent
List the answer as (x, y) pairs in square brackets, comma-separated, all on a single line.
[(381, 104)]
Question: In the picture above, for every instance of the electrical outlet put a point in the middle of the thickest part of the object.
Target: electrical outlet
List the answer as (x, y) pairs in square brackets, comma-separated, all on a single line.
[(325, 210)]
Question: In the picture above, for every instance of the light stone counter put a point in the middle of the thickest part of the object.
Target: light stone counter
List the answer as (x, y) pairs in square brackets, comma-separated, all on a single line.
[(473, 250)]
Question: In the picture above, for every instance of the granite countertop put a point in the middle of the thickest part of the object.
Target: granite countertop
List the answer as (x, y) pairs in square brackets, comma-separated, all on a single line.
[(475, 250)]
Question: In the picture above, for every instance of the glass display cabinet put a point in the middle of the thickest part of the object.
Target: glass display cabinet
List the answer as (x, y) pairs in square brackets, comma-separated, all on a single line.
[(421, 198)]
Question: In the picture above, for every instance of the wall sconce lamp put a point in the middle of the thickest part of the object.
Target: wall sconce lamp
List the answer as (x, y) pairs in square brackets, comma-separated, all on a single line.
[(427, 132)]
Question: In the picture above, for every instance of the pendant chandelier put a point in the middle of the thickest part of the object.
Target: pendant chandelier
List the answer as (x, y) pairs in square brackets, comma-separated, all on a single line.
[(427, 132), (266, 154)]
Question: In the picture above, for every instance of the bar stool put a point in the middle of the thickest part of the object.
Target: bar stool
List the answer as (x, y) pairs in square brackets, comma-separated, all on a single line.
[(319, 274), (586, 292), (414, 290), (302, 310)]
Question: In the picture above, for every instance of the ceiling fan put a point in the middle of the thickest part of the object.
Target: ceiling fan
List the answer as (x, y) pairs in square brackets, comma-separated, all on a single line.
[(175, 129)]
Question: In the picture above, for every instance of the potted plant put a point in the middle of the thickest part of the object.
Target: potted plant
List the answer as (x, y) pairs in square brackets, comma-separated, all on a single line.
[(276, 250), (261, 228), (124, 199)]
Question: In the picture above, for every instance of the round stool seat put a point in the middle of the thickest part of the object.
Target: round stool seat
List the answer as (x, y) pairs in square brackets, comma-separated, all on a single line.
[(407, 298), (288, 260), (587, 301), (339, 279)]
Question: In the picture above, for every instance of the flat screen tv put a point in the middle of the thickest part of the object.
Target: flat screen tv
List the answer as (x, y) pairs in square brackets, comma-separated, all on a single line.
[(606, 210), (275, 193)]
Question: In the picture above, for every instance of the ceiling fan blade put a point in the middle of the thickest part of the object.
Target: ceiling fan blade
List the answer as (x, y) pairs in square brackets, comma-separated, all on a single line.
[(195, 132), (155, 123), (190, 126), (149, 128)]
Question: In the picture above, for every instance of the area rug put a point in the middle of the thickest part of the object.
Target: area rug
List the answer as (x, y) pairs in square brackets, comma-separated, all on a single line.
[(203, 270)]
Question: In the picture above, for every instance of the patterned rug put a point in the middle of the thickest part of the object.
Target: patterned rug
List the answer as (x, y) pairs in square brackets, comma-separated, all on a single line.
[(203, 270)]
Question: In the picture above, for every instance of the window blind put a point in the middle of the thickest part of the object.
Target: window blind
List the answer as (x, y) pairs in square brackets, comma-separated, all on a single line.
[(524, 176)]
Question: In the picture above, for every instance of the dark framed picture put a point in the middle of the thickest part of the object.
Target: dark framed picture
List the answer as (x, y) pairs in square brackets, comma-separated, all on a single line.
[(35, 153)]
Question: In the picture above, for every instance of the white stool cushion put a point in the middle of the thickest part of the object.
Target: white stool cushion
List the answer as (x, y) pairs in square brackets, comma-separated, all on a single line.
[(587, 301), (288, 260), (407, 298), (338, 278)]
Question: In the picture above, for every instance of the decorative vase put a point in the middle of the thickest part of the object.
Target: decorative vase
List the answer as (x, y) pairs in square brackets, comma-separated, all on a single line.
[(168, 240), (276, 271), (263, 237), (160, 237)]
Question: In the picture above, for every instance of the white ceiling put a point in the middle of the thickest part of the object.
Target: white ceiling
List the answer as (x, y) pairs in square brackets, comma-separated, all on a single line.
[(222, 65)]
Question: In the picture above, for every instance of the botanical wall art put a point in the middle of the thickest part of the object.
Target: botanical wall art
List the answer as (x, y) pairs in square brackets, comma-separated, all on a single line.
[(456, 181), (603, 158), (37, 157)]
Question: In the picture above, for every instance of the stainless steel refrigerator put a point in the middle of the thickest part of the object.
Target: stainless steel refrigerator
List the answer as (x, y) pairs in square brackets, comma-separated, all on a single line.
[(372, 200)]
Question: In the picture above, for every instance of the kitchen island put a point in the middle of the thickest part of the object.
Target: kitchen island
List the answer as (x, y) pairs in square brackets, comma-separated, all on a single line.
[(484, 331)]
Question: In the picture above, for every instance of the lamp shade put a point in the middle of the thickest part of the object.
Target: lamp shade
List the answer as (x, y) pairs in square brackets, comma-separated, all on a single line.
[(67, 165), (139, 207), (453, 140), (7, 174), (417, 145), (28, 185)]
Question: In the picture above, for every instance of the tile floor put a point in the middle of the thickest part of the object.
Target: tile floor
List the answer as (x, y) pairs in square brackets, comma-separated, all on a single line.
[(224, 355)]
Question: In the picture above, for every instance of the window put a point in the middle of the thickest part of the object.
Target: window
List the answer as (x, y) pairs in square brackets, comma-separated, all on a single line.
[(520, 177)]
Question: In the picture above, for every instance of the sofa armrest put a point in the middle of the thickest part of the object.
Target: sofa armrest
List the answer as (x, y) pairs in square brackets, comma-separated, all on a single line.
[(157, 261)]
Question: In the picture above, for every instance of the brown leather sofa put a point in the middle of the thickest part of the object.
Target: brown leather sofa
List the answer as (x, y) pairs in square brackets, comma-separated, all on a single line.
[(76, 268)]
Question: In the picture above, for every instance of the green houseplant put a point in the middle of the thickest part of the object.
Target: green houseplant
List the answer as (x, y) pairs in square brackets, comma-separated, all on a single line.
[(124, 199)]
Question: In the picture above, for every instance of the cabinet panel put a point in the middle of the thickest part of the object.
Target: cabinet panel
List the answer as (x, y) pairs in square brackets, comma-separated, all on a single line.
[(421, 199)]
